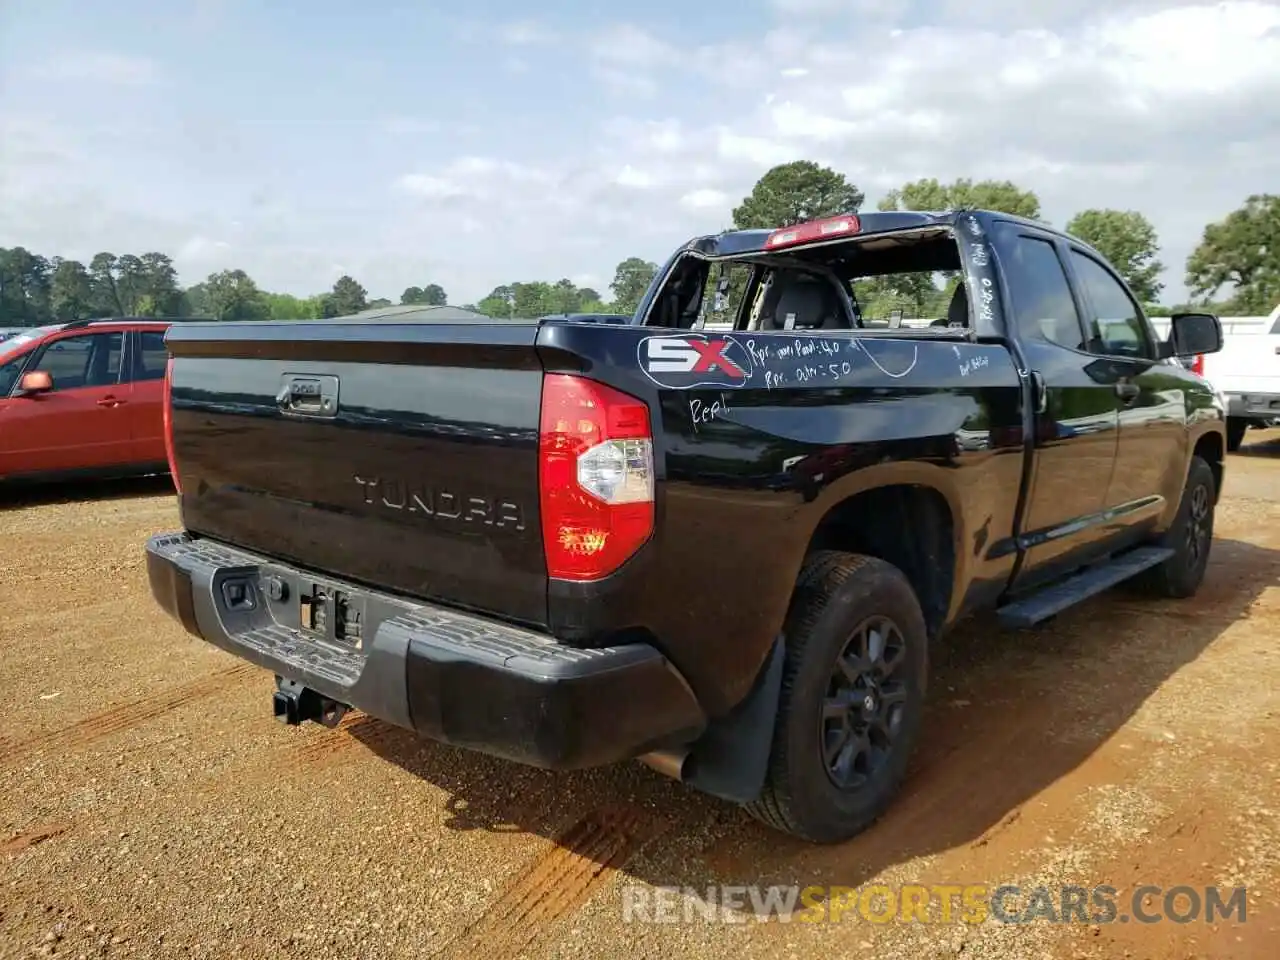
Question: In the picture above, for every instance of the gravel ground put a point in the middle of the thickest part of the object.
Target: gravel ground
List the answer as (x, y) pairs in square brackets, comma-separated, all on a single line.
[(153, 808)]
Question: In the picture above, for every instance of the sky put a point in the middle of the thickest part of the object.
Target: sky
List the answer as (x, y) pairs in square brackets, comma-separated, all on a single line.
[(475, 144)]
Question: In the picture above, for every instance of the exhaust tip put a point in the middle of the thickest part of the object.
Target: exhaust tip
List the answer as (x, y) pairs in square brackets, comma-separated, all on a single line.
[(669, 763)]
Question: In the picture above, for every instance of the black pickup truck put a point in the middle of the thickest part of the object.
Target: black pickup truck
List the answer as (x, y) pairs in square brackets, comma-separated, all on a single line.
[(725, 548)]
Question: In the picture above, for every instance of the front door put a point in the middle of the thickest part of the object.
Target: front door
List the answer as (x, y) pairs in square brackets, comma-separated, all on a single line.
[(1152, 409), (82, 423)]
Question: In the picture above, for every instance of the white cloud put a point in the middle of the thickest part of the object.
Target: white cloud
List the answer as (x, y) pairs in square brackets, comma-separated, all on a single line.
[(97, 68), (626, 43), (626, 58), (629, 176), (432, 187), (410, 125), (522, 33), (1119, 103), (758, 151), (705, 199), (1105, 112)]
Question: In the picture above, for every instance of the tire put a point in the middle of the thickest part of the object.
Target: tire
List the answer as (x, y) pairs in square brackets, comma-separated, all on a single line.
[(841, 598), (1190, 536), (1236, 428)]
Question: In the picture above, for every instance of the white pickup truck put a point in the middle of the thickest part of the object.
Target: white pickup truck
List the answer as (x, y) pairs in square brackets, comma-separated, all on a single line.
[(1246, 371)]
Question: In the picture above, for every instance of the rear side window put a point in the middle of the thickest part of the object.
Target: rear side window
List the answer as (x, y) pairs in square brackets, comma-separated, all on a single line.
[(722, 296), (1116, 329), (1041, 294), (91, 360), (152, 356)]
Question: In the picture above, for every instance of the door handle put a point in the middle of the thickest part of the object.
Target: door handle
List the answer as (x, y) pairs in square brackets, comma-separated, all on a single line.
[(1128, 392), (109, 402)]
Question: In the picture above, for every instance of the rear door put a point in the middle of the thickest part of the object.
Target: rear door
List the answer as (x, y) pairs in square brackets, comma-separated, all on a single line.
[(145, 372), (1076, 425), (82, 423)]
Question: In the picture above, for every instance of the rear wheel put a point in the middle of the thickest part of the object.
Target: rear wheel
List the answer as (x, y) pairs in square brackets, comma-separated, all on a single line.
[(852, 698), (1236, 428), (1191, 537)]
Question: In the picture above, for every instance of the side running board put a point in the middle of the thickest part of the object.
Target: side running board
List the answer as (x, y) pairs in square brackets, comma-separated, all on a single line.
[(1044, 604)]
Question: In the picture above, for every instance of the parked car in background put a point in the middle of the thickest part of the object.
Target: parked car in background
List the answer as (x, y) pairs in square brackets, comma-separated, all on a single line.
[(1246, 373), (83, 399)]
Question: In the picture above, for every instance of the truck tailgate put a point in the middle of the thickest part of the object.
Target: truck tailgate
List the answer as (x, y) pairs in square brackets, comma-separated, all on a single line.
[(401, 455)]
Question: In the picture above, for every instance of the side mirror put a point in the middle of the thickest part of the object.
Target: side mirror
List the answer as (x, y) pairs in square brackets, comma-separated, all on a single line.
[(1192, 334), (38, 381)]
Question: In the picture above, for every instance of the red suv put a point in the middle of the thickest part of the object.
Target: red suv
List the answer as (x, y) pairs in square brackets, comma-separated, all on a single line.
[(83, 399)]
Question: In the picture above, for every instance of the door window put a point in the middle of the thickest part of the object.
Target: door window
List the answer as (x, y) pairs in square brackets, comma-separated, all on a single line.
[(9, 372), (1041, 294), (1116, 328), (153, 356), (90, 360)]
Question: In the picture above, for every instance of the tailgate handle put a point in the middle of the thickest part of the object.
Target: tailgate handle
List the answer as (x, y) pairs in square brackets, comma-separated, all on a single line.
[(306, 395)]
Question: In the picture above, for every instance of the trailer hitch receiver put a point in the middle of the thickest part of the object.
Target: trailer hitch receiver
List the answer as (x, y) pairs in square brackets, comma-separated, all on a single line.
[(292, 704)]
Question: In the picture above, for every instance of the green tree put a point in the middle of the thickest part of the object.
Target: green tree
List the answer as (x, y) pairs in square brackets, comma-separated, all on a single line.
[(432, 295), (630, 281), (565, 297), (931, 195), (531, 300), (230, 295), (159, 285), (102, 277), (1241, 251), (792, 193), (25, 279), (1128, 240), (71, 291), (499, 304), (284, 306), (348, 297)]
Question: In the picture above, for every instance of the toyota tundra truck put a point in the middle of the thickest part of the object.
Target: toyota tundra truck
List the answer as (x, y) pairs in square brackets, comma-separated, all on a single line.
[(727, 549)]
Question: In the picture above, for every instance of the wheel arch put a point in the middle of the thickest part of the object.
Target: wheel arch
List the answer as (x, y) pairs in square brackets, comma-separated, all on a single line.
[(869, 514), (1211, 447)]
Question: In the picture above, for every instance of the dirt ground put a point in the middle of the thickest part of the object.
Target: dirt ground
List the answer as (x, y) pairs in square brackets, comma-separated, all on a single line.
[(152, 806)]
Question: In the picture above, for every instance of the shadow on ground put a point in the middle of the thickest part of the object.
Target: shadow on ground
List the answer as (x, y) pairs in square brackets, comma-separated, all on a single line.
[(17, 496), (1268, 445), (1011, 713)]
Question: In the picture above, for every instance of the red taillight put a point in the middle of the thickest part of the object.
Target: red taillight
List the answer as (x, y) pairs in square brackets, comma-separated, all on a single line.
[(168, 424), (813, 230), (1197, 365), (595, 466)]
